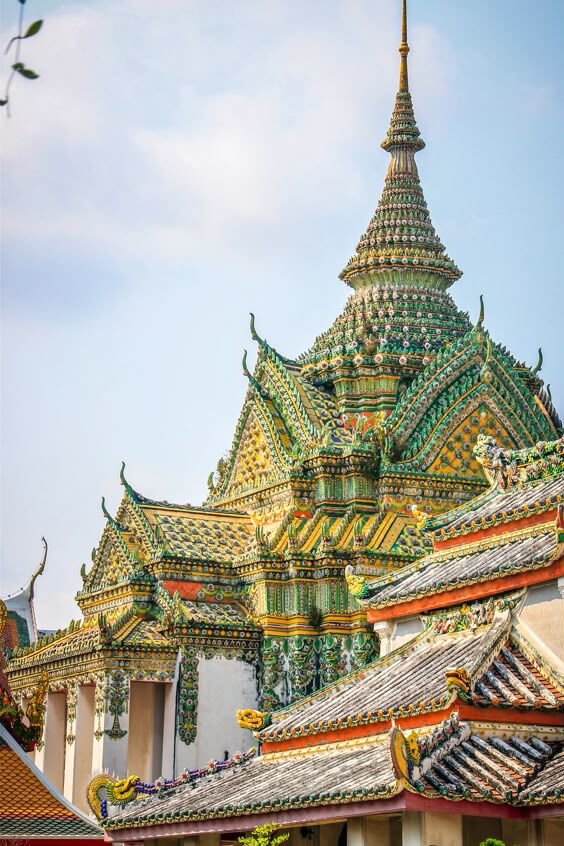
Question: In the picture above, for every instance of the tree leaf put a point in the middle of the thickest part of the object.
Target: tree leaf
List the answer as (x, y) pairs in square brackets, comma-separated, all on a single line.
[(26, 72), (33, 29)]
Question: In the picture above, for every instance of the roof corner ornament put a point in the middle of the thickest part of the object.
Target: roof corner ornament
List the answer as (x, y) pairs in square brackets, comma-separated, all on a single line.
[(486, 374), (406, 755), (480, 323), (105, 511), (538, 366), (40, 568), (420, 516), (254, 334), (457, 681), (246, 370), (248, 718), (499, 466), (356, 584)]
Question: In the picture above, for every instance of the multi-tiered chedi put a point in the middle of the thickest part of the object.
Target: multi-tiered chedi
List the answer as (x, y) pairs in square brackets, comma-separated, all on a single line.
[(331, 452), (334, 449)]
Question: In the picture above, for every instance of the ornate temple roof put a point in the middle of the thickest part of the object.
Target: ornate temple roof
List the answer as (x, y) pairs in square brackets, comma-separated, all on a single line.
[(501, 669), (31, 807), (20, 625), (194, 533), (456, 760), (516, 526)]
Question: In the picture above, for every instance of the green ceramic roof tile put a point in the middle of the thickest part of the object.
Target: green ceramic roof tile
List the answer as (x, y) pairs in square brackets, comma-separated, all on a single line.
[(197, 535)]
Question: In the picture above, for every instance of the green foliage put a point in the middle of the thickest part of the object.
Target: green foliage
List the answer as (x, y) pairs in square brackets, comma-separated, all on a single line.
[(264, 835), (492, 841), (17, 66)]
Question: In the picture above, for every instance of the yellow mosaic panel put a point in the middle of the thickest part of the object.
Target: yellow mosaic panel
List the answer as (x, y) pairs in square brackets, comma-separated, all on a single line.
[(457, 455), (253, 467)]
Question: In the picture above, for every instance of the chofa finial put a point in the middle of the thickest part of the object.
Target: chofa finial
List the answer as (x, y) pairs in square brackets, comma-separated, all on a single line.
[(39, 569), (480, 323), (538, 365), (246, 370)]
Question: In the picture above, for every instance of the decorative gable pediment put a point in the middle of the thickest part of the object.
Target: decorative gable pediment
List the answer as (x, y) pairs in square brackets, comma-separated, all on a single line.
[(261, 453), (471, 387)]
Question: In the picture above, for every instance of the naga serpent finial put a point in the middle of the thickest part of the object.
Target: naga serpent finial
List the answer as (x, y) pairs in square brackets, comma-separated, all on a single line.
[(246, 370), (537, 368), (480, 322), (105, 511), (254, 334), (40, 568)]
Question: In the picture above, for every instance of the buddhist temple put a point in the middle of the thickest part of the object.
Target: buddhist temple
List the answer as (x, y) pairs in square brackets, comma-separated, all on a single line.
[(372, 584)]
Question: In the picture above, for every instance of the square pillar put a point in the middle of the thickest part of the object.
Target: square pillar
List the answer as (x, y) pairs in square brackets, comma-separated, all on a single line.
[(53, 752), (80, 743), (169, 730), (70, 737)]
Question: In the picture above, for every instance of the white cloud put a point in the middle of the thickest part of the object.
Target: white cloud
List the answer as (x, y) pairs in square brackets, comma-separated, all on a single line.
[(159, 131)]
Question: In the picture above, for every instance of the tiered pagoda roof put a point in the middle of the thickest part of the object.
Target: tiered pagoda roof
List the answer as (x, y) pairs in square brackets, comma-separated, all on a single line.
[(429, 719)]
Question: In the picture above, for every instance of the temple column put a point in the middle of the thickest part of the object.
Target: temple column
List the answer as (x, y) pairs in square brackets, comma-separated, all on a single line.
[(169, 730), (384, 629), (70, 737), (411, 829), (80, 740), (111, 711), (51, 757)]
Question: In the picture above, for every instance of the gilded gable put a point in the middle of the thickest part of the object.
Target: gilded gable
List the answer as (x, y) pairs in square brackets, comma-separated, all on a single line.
[(457, 456)]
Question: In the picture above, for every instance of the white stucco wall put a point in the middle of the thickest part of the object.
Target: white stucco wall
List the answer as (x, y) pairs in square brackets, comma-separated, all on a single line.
[(543, 612), (405, 630), (225, 685)]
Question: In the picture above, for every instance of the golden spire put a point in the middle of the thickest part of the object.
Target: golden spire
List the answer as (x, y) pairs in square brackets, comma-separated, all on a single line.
[(403, 49)]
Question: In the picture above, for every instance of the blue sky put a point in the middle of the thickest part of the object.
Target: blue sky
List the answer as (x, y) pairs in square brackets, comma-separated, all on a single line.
[(180, 164)]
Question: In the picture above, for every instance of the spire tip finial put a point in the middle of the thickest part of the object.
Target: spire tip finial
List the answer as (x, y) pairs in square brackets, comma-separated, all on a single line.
[(404, 49)]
